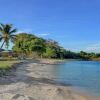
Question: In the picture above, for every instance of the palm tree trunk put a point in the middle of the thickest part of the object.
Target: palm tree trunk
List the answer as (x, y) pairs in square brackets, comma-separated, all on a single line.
[(2, 44)]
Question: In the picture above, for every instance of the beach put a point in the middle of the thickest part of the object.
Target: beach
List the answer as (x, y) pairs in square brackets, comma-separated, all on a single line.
[(33, 80)]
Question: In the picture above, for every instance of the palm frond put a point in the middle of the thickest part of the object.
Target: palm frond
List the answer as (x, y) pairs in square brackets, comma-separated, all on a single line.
[(1, 38), (13, 35), (12, 39), (1, 29), (7, 28), (7, 31), (13, 31), (2, 25)]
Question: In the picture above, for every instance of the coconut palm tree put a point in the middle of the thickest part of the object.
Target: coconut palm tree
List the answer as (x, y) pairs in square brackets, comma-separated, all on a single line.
[(6, 34)]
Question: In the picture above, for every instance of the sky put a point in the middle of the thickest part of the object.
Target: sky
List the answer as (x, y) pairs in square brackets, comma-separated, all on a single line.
[(75, 24)]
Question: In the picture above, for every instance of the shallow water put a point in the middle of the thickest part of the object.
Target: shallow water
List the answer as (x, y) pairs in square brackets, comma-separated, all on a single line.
[(83, 75)]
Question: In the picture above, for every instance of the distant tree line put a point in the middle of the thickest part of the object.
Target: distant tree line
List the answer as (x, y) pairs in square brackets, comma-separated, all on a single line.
[(29, 45)]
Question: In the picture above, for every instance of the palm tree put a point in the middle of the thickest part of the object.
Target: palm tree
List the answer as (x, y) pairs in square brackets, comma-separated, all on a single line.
[(6, 34)]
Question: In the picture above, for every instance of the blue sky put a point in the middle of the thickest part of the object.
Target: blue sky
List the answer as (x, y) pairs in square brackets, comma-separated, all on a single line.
[(75, 24)]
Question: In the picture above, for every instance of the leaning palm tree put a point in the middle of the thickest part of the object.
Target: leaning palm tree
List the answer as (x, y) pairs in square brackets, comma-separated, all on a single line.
[(6, 34)]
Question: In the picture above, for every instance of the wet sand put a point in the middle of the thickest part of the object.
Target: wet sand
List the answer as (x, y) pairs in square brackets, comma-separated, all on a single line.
[(32, 80)]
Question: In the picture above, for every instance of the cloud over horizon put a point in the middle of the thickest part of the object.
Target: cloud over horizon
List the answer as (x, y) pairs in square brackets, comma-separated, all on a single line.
[(43, 34), (93, 47)]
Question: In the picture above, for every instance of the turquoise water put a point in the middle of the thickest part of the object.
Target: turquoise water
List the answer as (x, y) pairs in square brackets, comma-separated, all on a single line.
[(84, 75)]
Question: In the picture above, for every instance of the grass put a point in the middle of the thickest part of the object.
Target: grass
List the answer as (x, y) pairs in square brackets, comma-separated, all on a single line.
[(5, 67), (7, 64)]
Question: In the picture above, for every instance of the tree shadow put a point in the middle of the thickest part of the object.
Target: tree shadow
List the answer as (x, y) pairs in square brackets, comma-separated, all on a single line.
[(13, 78)]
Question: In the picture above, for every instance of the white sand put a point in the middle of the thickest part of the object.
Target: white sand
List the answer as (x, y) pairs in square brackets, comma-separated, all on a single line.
[(34, 81)]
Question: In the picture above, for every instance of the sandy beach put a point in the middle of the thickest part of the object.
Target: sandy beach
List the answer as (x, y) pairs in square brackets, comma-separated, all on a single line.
[(32, 80)]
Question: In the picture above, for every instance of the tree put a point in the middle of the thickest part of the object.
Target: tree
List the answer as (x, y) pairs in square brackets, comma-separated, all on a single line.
[(52, 43), (62, 53), (38, 46), (29, 43), (84, 55), (6, 34), (50, 53), (22, 43)]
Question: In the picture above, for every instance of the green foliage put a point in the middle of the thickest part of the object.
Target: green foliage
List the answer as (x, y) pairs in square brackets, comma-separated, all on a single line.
[(38, 46), (52, 49), (22, 42), (5, 66), (87, 56), (50, 53), (28, 43), (6, 34)]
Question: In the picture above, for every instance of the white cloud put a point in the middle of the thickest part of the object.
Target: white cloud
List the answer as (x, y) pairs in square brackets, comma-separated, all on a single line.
[(93, 47), (43, 34), (31, 31)]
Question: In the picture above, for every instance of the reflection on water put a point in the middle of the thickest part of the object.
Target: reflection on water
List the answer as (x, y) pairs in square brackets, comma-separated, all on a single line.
[(82, 74)]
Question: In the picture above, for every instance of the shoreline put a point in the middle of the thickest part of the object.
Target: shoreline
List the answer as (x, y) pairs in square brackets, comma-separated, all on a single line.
[(33, 79), (82, 93)]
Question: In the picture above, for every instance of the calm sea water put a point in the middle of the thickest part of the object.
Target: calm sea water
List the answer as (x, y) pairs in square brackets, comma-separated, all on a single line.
[(84, 75)]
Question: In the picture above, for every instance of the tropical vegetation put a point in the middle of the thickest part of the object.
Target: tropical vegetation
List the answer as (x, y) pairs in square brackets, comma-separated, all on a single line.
[(7, 35), (28, 45)]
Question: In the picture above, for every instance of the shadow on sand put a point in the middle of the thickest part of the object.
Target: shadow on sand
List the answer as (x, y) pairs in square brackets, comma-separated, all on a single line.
[(12, 77)]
